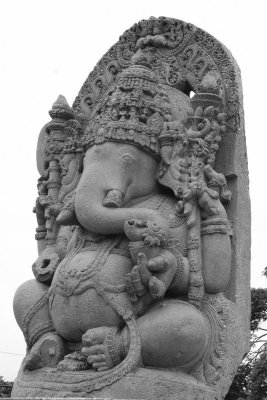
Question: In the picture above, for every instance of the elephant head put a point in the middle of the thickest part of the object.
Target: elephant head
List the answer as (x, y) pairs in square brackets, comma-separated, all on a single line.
[(122, 151), (115, 177)]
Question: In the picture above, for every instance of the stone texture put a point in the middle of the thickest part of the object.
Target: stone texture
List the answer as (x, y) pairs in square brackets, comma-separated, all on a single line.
[(143, 384), (141, 285)]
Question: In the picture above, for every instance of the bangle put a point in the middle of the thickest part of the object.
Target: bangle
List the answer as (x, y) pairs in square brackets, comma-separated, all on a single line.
[(110, 345), (215, 225), (124, 343), (214, 221)]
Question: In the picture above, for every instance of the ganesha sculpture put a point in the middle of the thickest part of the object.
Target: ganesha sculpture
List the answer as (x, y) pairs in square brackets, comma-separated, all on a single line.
[(141, 285)]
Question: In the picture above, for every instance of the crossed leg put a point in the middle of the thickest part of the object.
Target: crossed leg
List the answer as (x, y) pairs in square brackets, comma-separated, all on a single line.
[(173, 334), (45, 347)]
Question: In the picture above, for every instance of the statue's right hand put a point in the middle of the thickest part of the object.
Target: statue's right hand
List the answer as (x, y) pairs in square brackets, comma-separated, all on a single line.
[(163, 267), (45, 266), (151, 276), (137, 280)]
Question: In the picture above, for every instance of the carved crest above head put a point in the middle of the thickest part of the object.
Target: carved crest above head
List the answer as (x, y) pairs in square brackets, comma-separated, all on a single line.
[(180, 56), (135, 108), (166, 86)]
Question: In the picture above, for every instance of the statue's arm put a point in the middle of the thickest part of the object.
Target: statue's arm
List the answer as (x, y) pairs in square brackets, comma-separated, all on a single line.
[(216, 254), (175, 248), (215, 243), (215, 249), (179, 284)]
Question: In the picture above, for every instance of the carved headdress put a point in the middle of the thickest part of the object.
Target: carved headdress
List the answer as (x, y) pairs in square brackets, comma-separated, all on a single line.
[(140, 109), (142, 87), (135, 109)]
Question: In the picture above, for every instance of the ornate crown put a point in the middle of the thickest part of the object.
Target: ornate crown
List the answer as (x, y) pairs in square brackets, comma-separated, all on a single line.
[(134, 110)]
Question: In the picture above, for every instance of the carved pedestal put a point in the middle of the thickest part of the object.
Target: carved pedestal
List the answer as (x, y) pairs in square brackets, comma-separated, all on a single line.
[(142, 384)]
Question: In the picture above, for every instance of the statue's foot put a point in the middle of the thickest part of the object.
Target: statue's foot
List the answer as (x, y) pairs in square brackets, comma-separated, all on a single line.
[(101, 346), (46, 352), (73, 362)]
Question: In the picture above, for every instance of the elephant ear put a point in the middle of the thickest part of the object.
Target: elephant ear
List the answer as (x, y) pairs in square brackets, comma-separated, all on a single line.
[(66, 151), (71, 163), (173, 169), (40, 151), (71, 167), (174, 165), (67, 216)]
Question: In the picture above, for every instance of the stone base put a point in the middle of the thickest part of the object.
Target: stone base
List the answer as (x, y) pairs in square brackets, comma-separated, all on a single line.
[(144, 383)]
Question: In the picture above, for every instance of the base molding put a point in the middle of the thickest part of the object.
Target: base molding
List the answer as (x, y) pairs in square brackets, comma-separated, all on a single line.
[(143, 384)]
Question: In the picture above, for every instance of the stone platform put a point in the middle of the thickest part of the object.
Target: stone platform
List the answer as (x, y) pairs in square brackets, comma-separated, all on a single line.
[(143, 384)]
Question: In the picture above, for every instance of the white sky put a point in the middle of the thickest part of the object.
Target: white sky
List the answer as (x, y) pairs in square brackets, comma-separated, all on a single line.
[(48, 48)]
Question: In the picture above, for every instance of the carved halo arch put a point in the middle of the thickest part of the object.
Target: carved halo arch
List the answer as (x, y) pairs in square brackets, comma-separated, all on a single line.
[(190, 53)]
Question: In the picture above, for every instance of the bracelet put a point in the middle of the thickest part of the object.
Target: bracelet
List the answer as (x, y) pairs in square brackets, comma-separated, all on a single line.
[(216, 225), (110, 345), (214, 221), (208, 230), (124, 343)]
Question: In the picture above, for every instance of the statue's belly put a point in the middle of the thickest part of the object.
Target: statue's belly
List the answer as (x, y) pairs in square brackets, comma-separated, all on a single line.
[(75, 305)]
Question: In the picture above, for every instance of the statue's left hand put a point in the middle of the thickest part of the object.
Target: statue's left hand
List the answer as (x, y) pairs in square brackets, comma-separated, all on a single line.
[(210, 204), (204, 198), (45, 266), (154, 275)]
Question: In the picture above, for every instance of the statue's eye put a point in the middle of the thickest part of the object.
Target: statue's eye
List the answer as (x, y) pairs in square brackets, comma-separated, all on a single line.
[(127, 157)]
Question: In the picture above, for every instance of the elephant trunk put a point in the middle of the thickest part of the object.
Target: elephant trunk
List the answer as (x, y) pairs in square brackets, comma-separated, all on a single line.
[(114, 198), (98, 209)]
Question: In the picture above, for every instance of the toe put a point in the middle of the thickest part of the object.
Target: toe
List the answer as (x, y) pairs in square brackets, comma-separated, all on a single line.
[(94, 336), (89, 338), (93, 350), (33, 361), (96, 358), (100, 369), (100, 365)]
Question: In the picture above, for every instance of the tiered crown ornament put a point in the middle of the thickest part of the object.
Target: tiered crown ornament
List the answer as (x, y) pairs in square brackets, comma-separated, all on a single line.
[(188, 148), (134, 111)]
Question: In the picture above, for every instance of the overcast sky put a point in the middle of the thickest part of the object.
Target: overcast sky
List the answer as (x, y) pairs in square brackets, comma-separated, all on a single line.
[(48, 48)]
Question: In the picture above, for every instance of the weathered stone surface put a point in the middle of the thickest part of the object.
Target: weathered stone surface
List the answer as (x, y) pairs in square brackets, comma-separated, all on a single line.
[(141, 285), (142, 384)]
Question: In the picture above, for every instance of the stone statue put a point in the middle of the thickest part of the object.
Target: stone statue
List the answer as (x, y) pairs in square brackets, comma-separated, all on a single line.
[(141, 285)]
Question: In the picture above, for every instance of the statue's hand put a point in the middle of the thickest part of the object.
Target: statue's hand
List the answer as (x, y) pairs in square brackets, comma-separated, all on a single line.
[(210, 205), (137, 280), (45, 266), (163, 268), (152, 276), (204, 198), (209, 198)]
